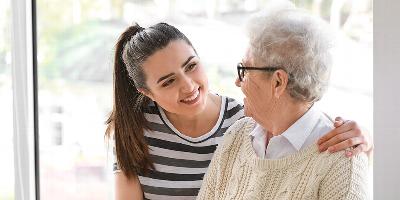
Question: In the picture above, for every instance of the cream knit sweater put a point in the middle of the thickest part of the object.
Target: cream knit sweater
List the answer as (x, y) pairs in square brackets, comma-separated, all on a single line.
[(236, 172)]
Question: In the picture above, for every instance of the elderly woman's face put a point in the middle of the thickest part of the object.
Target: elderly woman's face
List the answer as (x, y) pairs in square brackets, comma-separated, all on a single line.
[(258, 90)]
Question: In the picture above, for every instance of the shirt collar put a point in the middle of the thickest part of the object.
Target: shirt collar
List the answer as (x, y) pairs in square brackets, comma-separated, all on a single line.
[(259, 140), (257, 131), (298, 132)]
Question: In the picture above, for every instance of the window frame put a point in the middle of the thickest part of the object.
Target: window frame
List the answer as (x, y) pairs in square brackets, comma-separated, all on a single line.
[(25, 112)]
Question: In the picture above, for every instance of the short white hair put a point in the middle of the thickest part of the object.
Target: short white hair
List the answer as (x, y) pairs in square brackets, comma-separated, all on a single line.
[(299, 43)]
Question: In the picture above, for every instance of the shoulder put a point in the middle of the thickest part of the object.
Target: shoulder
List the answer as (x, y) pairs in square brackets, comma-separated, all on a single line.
[(232, 103), (339, 158), (233, 141), (233, 110), (243, 125), (232, 100), (338, 165), (238, 130), (345, 178)]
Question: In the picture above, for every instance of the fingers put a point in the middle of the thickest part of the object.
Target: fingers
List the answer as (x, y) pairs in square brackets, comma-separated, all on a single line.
[(369, 144), (338, 122), (349, 126), (346, 134), (327, 137), (346, 131), (346, 127), (360, 148), (339, 119), (345, 144)]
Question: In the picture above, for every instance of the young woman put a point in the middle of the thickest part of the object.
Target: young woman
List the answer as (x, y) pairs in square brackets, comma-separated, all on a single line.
[(166, 123)]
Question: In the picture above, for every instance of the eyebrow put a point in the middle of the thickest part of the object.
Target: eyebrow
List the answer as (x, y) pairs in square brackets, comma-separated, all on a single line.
[(187, 61), (164, 77), (170, 74)]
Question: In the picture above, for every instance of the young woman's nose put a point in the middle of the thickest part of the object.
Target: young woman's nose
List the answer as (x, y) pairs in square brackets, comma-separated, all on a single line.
[(187, 84)]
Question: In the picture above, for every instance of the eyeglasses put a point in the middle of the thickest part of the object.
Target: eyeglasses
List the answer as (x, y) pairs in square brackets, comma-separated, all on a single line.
[(242, 69)]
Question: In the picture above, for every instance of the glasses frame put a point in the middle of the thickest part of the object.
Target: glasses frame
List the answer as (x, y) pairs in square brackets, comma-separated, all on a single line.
[(242, 69)]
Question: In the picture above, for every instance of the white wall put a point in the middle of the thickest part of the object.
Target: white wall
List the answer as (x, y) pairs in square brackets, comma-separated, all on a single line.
[(387, 99)]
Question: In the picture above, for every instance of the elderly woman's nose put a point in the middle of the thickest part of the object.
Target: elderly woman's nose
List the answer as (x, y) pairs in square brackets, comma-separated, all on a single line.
[(237, 82)]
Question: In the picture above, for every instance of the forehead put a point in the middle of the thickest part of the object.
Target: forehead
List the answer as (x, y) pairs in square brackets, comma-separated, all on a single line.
[(168, 59), (249, 60)]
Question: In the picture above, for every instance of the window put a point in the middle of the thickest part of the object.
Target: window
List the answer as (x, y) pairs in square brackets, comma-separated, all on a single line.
[(76, 40)]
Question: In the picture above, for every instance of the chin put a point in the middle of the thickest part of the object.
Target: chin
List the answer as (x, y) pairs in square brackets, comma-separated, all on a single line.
[(198, 107)]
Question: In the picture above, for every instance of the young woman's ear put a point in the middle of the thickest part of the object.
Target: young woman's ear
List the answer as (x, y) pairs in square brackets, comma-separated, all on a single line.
[(280, 81), (146, 93)]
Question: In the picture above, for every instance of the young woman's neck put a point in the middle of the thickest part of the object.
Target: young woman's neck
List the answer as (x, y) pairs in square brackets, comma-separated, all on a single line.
[(201, 123)]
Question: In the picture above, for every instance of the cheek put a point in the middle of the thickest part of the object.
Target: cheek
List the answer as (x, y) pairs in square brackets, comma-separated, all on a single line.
[(247, 108), (199, 79), (166, 98), (248, 100), (200, 74), (254, 96), (249, 90)]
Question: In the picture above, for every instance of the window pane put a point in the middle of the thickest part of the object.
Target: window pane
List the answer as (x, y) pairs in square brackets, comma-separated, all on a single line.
[(75, 41), (6, 105), (350, 91)]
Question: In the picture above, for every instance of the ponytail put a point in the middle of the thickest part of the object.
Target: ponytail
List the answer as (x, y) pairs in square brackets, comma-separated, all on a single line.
[(127, 118)]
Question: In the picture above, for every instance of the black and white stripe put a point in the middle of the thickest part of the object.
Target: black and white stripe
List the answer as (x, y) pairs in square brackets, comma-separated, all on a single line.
[(180, 161)]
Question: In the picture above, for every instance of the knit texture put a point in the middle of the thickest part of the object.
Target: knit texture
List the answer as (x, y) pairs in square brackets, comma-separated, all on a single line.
[(236, 172)]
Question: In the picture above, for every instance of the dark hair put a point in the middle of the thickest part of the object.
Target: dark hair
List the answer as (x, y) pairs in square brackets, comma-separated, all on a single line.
[(127, 119)]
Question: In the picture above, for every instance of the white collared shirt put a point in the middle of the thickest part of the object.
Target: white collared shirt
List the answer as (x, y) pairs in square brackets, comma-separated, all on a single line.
[(303, 133)]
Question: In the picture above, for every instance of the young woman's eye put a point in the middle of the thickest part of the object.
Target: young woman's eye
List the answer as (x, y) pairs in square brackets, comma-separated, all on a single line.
[(167, 83), (190, 67)]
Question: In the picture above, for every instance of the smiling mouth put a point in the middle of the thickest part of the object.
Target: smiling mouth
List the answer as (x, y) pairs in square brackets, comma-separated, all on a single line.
[(193, 98)]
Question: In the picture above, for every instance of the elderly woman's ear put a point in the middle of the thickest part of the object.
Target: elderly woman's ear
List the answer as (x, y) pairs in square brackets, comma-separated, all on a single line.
[(279, 82)]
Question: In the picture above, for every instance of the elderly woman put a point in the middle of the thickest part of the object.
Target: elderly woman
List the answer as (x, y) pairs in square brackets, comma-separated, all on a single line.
[(272, 153)]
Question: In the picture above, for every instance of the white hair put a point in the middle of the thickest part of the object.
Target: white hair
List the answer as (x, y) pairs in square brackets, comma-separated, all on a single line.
[(294, 40)]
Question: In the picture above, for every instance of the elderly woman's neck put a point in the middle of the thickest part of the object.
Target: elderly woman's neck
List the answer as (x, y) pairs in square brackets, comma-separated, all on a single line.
[(287, 114)]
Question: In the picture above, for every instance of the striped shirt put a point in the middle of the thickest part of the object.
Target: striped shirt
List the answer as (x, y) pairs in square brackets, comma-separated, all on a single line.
[(181, 161)]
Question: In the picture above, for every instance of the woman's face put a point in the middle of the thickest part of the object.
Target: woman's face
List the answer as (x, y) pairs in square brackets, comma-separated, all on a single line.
[(257, 88), (176, 79)]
